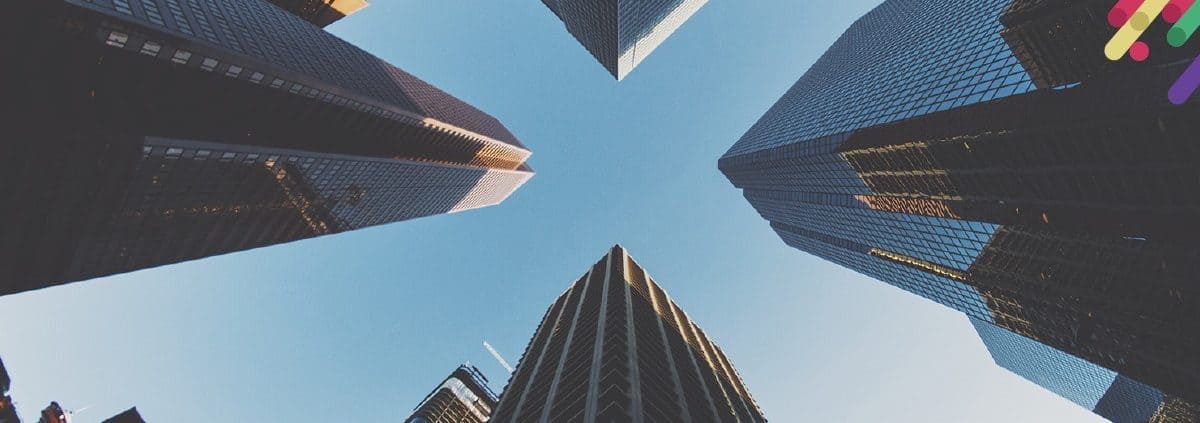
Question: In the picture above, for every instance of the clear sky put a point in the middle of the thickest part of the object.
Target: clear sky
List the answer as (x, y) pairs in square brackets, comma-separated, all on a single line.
[(360, 326)]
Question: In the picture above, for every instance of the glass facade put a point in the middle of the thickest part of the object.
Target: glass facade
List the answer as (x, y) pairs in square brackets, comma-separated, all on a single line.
[(616, 348), (1049, 207), (620, 34), (215, 126), (1108, 394)]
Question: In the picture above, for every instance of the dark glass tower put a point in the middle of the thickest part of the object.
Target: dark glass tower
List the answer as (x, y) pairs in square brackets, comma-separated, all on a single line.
[(615, 348), (620, 34), (1053, 202), (464, 397), (144, 133), (321, 12)]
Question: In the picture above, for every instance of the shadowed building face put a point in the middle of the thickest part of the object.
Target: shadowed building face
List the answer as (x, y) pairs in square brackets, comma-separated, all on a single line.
[(974, 167), (620, 34), (152, 135), (616, 348)]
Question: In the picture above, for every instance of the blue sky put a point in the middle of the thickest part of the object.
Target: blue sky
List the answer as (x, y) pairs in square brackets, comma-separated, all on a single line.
[(360, 326)]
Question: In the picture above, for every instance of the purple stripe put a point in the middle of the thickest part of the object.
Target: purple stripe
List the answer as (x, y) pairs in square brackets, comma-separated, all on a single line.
[(1186, 85)]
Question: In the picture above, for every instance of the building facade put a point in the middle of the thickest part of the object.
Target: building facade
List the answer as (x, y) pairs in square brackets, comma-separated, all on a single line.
[(620, 34), (464, 397), (615, 348), (158, 131), (973, 167), (321, 12)]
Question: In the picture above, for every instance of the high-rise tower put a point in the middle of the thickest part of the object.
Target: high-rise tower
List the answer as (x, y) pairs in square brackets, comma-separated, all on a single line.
[(620, 34), (615, 348), (464, 397), (144, 133), (1054, 202), (321, 12)]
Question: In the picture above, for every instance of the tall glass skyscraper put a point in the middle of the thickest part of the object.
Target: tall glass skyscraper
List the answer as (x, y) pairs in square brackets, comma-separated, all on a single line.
[(620, 34), (941, 146), (464, 397), (149, 132), (615, 348)]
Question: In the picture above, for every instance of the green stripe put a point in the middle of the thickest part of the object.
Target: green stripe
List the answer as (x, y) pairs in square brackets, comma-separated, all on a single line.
[(1183, 30)]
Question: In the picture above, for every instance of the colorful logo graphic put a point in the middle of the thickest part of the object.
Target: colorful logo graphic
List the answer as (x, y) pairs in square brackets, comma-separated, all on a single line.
[(1133, 17)]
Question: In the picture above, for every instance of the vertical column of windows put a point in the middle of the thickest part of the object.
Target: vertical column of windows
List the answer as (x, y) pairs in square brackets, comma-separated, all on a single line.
[(612, 366), (568, 392), (635, 350), (658, 384), (708, 371), (535, 353), (707, 400)]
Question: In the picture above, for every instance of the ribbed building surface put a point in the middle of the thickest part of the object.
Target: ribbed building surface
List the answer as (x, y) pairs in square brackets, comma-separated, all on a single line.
[(321, 12), (622, 33), (615, 348), (974, 167), (464, 397), (151, 132)]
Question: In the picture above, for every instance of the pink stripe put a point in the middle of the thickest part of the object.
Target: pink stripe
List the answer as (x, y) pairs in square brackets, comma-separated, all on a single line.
[(1175, 10), (1120, 14)]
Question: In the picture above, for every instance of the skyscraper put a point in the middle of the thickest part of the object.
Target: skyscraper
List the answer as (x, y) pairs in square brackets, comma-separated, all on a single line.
[(152, 132), (464, 397), (620, 34), (321, 12), (1051, 202), (615, 348)]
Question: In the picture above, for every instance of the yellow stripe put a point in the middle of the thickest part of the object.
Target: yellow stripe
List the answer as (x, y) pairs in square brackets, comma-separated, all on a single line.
[(1132, 30)]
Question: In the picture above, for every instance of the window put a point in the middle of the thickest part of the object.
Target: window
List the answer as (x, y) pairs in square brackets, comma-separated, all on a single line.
[(117, 39), (256, 77), (277, 83), (233, 71), (151, 48), (209, 64), (181, 57)]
